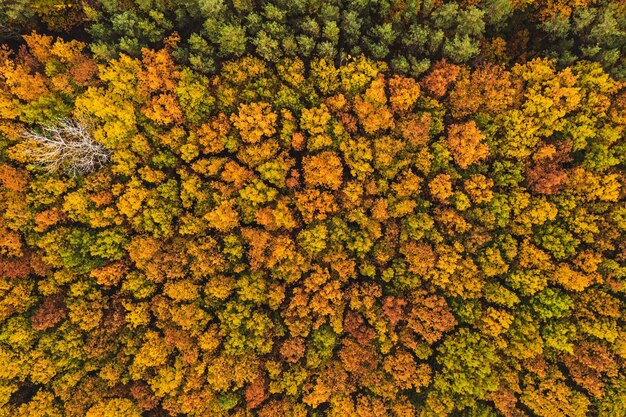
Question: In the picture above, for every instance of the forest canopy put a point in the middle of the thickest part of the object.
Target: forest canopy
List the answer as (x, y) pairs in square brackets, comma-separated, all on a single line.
[(312, 208)]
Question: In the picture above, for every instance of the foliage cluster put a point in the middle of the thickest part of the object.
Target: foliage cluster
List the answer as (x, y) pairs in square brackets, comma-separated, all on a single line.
[(310, 238), (410, 35)]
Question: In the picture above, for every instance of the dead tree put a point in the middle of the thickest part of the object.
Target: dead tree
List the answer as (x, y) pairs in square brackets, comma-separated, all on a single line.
[(66, 145)]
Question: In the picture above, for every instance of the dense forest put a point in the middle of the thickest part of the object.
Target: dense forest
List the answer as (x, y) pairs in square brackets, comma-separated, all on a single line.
[(345, 208)]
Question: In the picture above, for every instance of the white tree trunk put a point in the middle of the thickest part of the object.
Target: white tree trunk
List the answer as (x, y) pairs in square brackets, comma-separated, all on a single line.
[(66, 145)]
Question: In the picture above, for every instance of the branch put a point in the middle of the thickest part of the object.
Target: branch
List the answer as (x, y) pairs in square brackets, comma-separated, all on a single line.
[(66, 145)]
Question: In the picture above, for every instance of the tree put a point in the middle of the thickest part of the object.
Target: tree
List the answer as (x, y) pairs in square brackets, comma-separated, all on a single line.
[(464, 140)]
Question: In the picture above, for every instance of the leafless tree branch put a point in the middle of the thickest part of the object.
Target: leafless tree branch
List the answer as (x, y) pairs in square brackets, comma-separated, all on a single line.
[(66, 145)]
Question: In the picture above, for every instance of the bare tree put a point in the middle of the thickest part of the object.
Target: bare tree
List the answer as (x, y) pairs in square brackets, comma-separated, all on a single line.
[(66, 145)]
